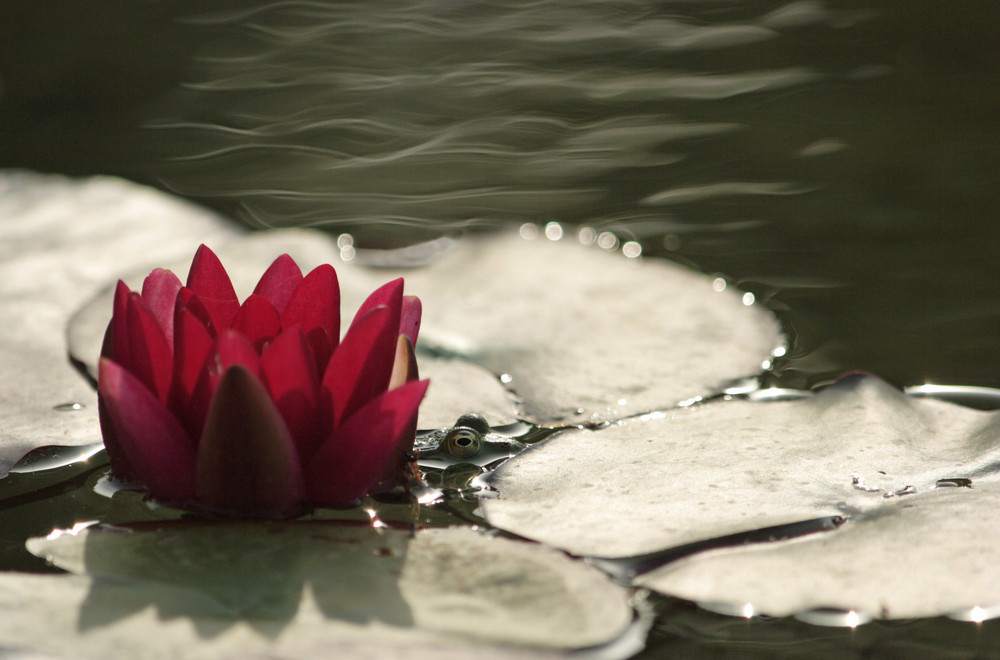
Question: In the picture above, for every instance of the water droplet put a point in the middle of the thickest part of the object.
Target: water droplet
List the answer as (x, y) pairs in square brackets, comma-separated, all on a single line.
[(528, 231), (72, 531), (553, 231), (976, 614), (344, 241), (748, 298), (50, 458), (718, 285), (506, 378), (66, 407), (586, 235), (347, 254), (908, 490), (956, 482), (833, 617), (632, 250), (858, 482), (607, 241)]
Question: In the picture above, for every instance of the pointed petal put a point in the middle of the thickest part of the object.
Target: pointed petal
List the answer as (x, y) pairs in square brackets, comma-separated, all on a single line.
[(389, 294), (404, 365), (349, 463), (247, 464), (230, 348), (404, 370), (187, 298), (359, 369), (157, 451), (150, 359), (159, 293), (316, 303), (192, 346), (258, 321), (233, 348), (409, 318), (279, 281), (289, 371), (119, 324), (210, 282)]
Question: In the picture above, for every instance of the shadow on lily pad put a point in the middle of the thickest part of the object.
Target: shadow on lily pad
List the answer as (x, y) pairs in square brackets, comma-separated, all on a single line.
[(219, 574)]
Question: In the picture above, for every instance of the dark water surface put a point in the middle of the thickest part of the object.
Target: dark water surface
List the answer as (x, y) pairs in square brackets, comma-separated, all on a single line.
[(839, 159)]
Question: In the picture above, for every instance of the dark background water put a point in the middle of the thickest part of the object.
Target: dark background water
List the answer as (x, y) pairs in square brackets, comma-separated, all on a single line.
[(839, 159)]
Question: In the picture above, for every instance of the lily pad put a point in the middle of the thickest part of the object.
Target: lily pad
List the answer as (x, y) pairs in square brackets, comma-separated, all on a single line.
[(933, 553), (584, 335), (858, 448), (202, 587), (61, 240)]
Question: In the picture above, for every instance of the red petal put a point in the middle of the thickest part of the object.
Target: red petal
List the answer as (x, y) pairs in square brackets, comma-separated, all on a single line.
[(233, 348), (360, 367), (119, 325), (389, 294), (409, 318), (187, 298), (349, 463), (192, 346), (289, 371), (279, 282), (209, 281), (150, 359), (157, 450), (159, 293), (247, 463), (258, 321), (316, 303)]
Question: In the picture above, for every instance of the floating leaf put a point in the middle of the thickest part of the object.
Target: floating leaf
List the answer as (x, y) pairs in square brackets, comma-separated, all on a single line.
[(586, 335), (61, 241), (201, 586), (691, 474), (928, 554)]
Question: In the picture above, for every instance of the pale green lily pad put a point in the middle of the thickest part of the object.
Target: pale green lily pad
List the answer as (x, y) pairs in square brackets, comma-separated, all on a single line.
[(61, 241), (932, 553), (222, 590), (581, 334), (701, 472)]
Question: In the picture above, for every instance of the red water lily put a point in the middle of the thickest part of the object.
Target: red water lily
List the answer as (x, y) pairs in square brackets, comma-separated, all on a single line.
[(258, 409)]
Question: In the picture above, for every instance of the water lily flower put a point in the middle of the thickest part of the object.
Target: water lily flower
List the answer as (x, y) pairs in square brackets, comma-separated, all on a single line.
[(258, 409)]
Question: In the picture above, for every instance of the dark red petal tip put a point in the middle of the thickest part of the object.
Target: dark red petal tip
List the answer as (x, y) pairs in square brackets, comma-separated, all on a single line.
[(159, 293), (279, 282), (210, 282), (315, 303)]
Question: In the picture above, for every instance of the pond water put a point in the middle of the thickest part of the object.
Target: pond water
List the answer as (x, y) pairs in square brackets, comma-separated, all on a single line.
[(837, 159)]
